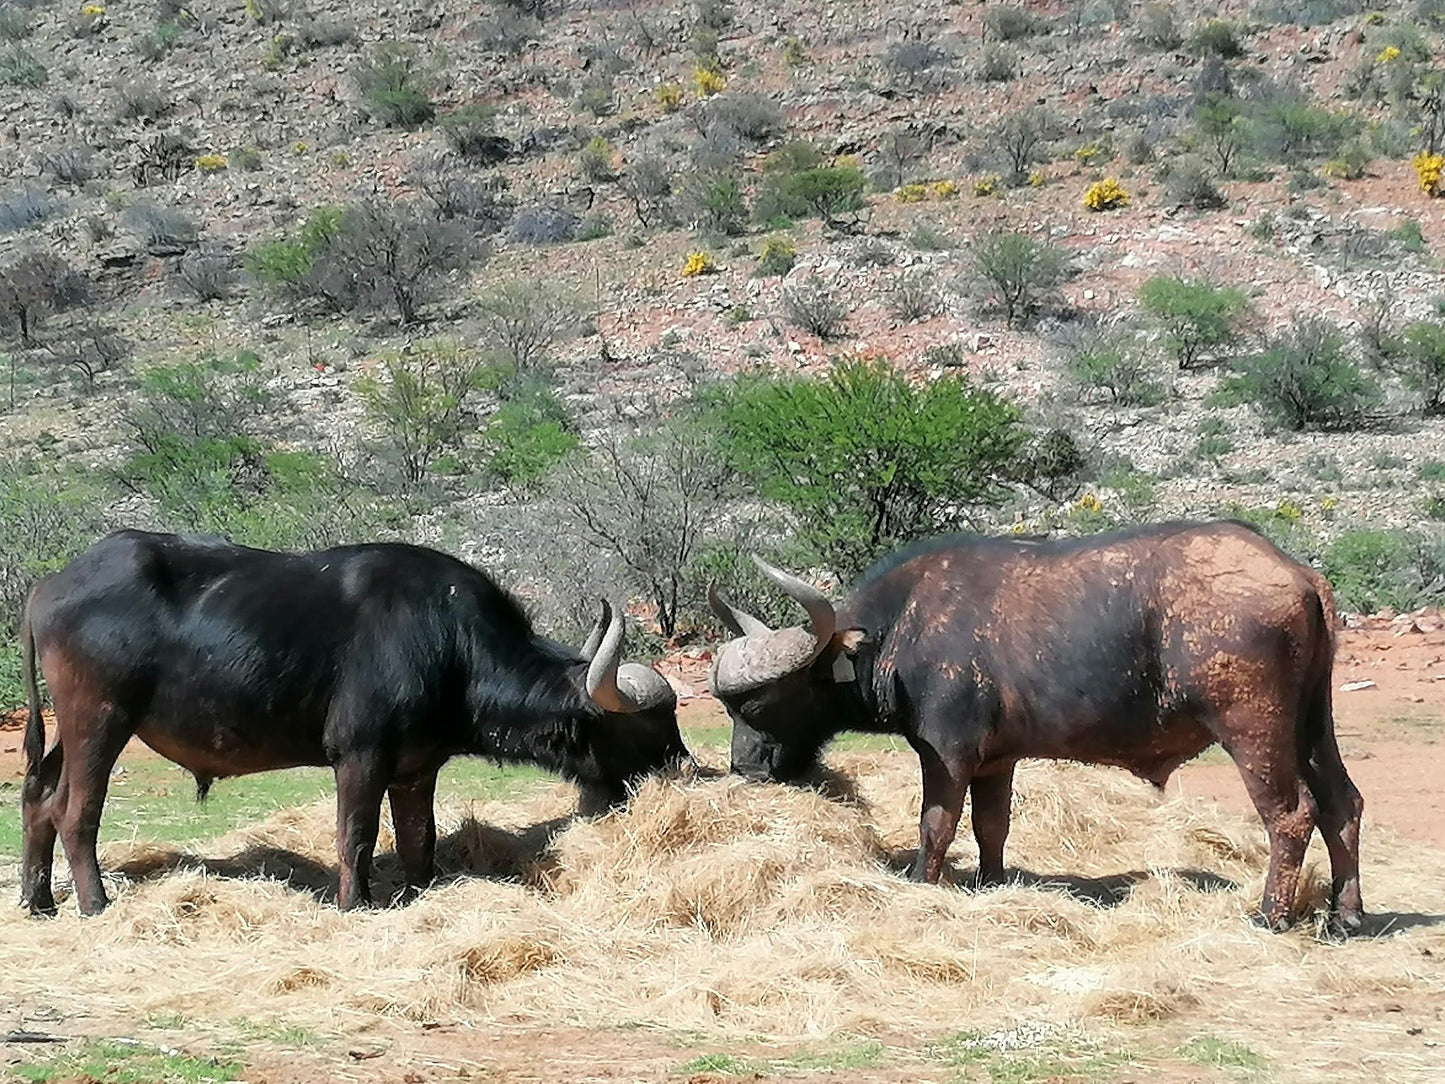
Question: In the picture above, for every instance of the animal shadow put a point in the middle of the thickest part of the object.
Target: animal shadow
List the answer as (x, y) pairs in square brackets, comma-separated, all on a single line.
[(473, 849), (1107, 891)]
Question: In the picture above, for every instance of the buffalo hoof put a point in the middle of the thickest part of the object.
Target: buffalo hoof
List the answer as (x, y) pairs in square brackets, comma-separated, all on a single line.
[(407, 895), (1274, 924), (1341, 924), (41, 906)]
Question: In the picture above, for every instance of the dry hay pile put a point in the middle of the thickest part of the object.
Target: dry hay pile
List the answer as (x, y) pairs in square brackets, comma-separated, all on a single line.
[(731, 907)]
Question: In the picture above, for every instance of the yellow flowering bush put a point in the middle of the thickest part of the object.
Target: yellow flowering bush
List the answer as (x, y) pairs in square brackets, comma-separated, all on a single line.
[(1037, 179), (1089, 503), (1105, 195), (777, 256), (211, 163), (698, 263), (1388, 53), (1429, 168), (93, 9), (1088, 154), (708, 82), (669, 97), (1288, 511), (985, 186), (911, 193), (944, 189)]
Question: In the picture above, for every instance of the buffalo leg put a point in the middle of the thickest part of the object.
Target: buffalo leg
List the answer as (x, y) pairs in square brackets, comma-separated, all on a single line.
[(87, 778), (1272, 777), (413, 820), (945, 782), (991, 797), (41, 795), (1340, 811), (360, 784)]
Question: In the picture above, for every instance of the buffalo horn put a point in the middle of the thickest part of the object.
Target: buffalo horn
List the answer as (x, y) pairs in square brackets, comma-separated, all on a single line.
[(602, 670), (594, 638), (736, 621), (820, 610)]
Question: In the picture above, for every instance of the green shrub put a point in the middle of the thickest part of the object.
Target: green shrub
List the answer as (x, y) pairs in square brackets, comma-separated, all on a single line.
[(284, 265), (1305, 378), (1218, 38), (390, 85), (1114, 362), (1287, 128), (1419, 360), (1016, 272), (19, 68), (472, 132), (867, 460), (827, 192), (1372, 570), (528, 435), (1200, 320), (777, 256)]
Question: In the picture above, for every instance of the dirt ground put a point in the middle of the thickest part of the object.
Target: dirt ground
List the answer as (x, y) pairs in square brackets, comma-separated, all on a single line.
[(1393, 735)]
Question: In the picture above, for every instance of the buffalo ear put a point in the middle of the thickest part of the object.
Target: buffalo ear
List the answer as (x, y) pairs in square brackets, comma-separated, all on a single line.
[(847, 643)]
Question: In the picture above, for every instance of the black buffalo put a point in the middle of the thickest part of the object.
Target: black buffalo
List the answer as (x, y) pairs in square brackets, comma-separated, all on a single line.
[(381, 661), (1138, 649)]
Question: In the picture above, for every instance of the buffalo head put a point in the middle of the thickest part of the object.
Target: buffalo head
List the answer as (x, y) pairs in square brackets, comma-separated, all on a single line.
[(638, 732), (788, 691)]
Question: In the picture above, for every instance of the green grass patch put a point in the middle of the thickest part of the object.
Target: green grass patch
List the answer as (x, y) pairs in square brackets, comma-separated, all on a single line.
[(1220, 1053), (154, 800), (111, 1061), (863, 1054), (719, 737), (1028, 1055)]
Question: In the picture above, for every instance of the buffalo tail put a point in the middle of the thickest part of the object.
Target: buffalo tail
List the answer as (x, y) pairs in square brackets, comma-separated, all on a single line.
[(35, 725)]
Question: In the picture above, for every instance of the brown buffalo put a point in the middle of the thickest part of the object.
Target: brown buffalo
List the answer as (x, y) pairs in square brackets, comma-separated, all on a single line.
[(1139, 649)]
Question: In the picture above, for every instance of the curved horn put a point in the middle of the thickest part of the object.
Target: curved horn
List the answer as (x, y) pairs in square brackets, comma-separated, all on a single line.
[(734, 620), (820, 610), (602, 670), (594, 638)]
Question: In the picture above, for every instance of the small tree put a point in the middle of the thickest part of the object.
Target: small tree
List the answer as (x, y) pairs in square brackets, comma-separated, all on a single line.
[(1017, 272), (1200, 320), (653, 503), (527, 319), (865, 459), (35, 285), (1219, 131), (647, 182), (1112, 361), (421, 403), (386, 254), (1305, 378), (1019, 139)]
